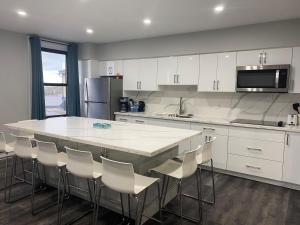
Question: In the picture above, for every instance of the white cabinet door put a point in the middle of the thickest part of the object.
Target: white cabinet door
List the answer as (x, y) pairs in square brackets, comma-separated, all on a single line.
[(148, 74), (295, 71), (167, 70), (226, 72), (131, 75), (188, 70), (208, 72), (118, 67), (90, 68), (246, 58), (219, 150), (277, 56), (291, 165), (102, 68)]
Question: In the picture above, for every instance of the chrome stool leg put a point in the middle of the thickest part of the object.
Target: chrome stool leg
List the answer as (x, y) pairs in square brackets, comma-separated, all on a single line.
[(213, 184)]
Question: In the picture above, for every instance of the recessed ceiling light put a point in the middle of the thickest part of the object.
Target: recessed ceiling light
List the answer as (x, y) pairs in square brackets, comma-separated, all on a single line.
[(22, 13), (147, 21), (219, 8), (89, 31)]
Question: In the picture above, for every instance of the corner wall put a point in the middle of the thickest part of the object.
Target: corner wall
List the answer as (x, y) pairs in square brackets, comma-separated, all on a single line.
[(14, 77)]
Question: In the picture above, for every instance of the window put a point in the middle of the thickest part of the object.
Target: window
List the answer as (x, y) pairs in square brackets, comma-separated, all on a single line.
[(55, 82)]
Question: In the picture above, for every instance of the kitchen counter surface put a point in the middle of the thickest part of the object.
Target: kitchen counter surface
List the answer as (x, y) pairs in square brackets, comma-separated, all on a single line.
[(215, 121), (140, 139)]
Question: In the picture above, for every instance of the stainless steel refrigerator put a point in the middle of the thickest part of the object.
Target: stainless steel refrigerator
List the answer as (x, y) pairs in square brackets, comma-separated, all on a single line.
[(101, 96)]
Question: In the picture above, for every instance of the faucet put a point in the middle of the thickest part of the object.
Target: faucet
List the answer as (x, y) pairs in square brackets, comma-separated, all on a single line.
[(181, 108)]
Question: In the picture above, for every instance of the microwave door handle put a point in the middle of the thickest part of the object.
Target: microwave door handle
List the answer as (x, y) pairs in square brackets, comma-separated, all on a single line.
[(277, 78)]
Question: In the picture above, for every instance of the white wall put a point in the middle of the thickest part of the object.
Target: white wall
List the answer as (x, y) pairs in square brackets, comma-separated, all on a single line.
[(14, 77), (267, 35)]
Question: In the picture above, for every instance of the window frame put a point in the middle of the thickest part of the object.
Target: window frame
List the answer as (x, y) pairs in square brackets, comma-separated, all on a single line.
[(57, 84)]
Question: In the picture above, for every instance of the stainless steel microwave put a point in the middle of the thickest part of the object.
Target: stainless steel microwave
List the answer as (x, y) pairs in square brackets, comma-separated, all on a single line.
[(263, 78)]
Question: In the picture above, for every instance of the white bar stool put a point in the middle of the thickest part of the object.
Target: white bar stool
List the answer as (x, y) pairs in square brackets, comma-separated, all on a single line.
[(6, 152), (82, 165), (179, 171), (48, 156), (120, 177), (204, 156), (23, 150)]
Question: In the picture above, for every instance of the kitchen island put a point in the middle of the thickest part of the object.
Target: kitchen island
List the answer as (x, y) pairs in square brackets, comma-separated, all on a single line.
[(145, 146)]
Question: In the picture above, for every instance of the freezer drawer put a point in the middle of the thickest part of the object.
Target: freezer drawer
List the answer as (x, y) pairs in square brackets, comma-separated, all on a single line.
[(97, 110)]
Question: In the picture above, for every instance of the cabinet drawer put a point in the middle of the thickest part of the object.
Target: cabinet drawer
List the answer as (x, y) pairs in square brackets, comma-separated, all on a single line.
[(210, 129), (256, 148), (258, 134), (126, 119), (256, 167)]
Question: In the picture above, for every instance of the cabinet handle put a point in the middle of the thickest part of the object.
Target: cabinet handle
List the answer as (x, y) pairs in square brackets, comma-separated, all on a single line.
[(174, 78), (260, 58), (218, 84), (139, 121), (177, 78), (123, 120), (265, 58), (140, 85), (287, 139), (208, 128), (255, 149), (253, 167), (137, 85), (214, 85)]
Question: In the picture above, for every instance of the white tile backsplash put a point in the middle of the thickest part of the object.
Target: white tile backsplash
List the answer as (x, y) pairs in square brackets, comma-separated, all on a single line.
[(229, 106)]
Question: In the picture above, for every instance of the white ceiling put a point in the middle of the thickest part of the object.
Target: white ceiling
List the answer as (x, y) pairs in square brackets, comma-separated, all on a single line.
[(115, 20)]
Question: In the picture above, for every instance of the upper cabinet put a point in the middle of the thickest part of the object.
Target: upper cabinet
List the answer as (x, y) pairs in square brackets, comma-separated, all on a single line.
[(178, 70), (111, 68), (140, 75), (265, 57), (295, 71), (217, 72)]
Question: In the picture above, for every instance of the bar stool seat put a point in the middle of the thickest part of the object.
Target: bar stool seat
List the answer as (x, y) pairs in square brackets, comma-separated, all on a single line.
[(170, 168), (97, 169), (120, 177), (142, 182), (62, 159), (180, 171)]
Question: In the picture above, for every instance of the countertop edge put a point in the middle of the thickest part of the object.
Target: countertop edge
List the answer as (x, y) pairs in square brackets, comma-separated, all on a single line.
[(295, 129)]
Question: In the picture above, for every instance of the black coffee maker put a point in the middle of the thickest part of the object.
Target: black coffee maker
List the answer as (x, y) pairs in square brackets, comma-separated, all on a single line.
[(124, 104)]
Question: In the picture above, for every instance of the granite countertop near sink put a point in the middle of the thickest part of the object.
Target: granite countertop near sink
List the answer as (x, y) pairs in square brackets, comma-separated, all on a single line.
[(208, 120)]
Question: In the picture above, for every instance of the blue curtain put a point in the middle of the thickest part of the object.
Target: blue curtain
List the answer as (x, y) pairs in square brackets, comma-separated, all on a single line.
[(37, 97), (73, 95)]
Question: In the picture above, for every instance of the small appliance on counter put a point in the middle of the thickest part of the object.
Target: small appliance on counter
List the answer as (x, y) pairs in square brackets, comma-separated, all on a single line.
[(292, 120), (124, 104), (141, 106)]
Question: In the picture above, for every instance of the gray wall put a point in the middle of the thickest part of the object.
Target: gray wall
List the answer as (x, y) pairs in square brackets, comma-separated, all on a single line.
[(267, 35), (14, 77)]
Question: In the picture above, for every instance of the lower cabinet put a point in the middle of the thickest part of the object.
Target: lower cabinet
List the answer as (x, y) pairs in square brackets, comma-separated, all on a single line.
[(256, 152), (254, 166), (291, 166), (219, 148), (262, 153)]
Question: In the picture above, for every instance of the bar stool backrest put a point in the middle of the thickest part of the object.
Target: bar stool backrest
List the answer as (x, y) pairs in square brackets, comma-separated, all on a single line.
[(2, 142), (80, 163), (47, 153), (189, 163), (22, 147), (118, 176), (206, 153)]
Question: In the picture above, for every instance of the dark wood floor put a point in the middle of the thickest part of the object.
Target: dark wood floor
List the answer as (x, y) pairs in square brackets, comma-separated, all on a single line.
[(238, 202)]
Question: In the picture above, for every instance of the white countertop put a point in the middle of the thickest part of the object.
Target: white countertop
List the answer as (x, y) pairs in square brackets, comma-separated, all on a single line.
[(207, 120), (138, 139)]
